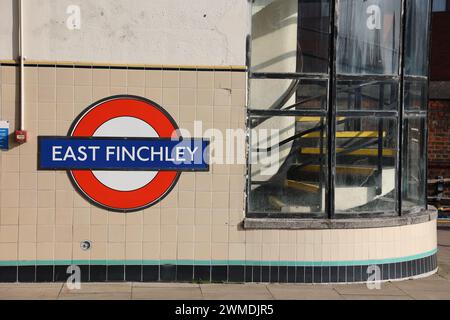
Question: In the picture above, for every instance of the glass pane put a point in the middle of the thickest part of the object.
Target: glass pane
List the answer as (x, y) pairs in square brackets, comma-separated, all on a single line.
[(288, 94), (361, 95), (368, 36), (413, 164), (439, 5), (290, 179), (285, 41), (274, 35), (417, 38), (314, 29), (416, 95), (365, 165)]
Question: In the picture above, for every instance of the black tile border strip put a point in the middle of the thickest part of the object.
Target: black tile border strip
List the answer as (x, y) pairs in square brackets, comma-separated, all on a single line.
[(24, 273), (45, 274), (8, 274), (124, 67), (133, 273), (219, 274), (150, 273)]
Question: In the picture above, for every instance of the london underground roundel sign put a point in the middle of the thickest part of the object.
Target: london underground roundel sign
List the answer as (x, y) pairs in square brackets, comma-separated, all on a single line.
[(123, 153)]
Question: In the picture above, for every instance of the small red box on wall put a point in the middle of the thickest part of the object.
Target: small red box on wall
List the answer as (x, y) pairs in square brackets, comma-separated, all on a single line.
[(20, 136)]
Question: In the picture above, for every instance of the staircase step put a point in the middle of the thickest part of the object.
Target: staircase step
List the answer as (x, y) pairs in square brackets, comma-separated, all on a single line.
[(361, 152), (348, 134), (364, 171), (302, 186), (276, 203), (315, 119)]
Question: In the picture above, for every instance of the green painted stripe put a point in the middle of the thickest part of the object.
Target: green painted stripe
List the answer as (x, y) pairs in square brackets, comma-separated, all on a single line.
[(203, 263), (150, 262), (219, 262), (45, 263), (170, 262)]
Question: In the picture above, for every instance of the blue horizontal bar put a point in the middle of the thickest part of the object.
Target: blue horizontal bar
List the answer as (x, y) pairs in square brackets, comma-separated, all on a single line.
[(122, 154)]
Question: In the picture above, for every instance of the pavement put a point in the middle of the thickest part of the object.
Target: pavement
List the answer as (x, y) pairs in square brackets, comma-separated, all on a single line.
[(435, 287)]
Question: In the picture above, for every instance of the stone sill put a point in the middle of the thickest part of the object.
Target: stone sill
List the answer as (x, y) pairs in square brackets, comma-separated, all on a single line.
[(323, 224)]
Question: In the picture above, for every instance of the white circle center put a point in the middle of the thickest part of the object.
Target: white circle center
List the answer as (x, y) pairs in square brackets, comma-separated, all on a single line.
[(125, 127)]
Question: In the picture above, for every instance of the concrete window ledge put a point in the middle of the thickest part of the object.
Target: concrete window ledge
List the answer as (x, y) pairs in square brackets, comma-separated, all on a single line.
[(360, 223)]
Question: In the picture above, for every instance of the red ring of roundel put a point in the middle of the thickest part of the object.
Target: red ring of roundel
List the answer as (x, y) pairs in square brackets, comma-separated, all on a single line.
[(91, 187)]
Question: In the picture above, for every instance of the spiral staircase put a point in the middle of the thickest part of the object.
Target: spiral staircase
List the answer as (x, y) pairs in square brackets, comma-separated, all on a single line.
[(361, 174), (365, 161)]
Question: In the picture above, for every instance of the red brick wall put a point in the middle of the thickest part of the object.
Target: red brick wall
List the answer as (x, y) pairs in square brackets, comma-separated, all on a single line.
[(440, 47), (439, 140)]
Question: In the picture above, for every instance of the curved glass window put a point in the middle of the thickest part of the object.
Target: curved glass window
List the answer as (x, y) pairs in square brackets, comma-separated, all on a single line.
[(337, 108)]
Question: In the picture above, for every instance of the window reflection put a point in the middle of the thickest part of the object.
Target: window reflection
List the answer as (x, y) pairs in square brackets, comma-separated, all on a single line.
[(417, 38), (367, 95), (416, 95), (440, 5), (414, 162), (368, 36), (314, 33), (290, 36)]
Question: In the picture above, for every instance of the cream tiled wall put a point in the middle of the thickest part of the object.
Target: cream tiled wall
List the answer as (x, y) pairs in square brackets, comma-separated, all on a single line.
[(43, 218)]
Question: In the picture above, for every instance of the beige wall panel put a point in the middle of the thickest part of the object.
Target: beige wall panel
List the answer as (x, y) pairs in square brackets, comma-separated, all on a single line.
[(43, 218), (208, 32)]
